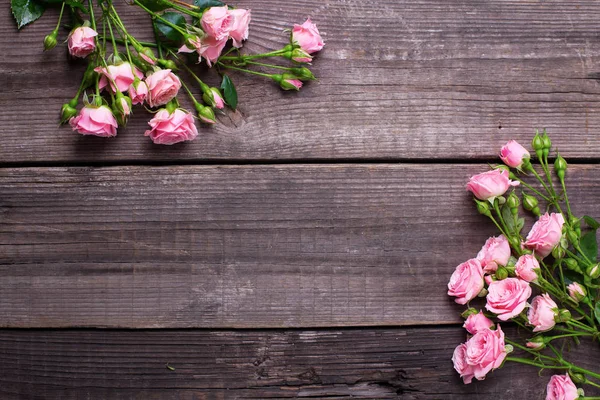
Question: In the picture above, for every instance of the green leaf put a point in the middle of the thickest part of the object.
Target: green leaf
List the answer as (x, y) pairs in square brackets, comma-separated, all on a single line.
[(597, 311), (589, 246), (229, 92), (168, 34), (155, 5), (509, 220), (204, 4), (26, 11), (591, 222), (72, 3)]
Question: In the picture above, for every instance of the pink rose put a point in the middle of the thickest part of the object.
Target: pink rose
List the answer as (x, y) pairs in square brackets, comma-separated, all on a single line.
[(467, 281), (213, 98), (138, 92), (239, 26), (121, 75), (508, 297), (561, 387), (526, 267), (459, 358), (82, 41), (217, 22), (97, 121), (495, 251), (491, 184), (307, 36), (513, 154), (207, 47), (542, 312), (163, 86), (485, 351), (172, 128), (576, 291), (477, 322), (545, 234)]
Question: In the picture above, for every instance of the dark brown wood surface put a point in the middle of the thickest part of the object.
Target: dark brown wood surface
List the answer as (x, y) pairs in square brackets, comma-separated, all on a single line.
[(397, 80)]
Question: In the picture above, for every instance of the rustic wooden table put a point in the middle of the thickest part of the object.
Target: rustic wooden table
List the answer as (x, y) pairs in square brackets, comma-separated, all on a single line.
[(301, 247)]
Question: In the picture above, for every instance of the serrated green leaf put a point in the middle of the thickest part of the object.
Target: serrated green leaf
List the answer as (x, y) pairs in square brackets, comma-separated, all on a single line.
[(168, 34), (155, 5), (508, 218), (26, 11), (204, 4), (72, 3), (589, 245), (591, 222), (229, 92)]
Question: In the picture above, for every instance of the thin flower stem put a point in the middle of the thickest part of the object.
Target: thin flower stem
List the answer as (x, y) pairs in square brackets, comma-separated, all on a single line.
[(529, 362), (582, 326), (62, 9), (92, 17), (188, 69), (562, 183), (158, 17), (269, 65), (112, 37), (246, 70), (497, 225), (586, 262), (189, 92), (534, 190), (550, 338), (253, 56), (185, 10)]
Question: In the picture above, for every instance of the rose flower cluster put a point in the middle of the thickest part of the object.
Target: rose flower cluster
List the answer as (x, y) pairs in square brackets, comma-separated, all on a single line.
[(124, 72), (546, 281)]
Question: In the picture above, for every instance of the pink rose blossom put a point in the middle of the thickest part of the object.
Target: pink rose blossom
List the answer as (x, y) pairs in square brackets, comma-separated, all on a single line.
[(207, 47), (542, 312), (120, 75), (82, 41), (485, 351), (97, 121), (545, 234), (476, 322), (513, 154), (172, 128), (217, 22), (495, 252), (138, 92), (561, 387), (307, 36), (239, 26), (163, 86), (576, 291), (526, 267), (467, 281), (491, 184), (459, 358), (508, 297)]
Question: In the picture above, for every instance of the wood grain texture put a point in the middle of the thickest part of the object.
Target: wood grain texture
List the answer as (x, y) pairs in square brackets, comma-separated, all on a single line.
[(246, 246), (397, 80), (386, 363)]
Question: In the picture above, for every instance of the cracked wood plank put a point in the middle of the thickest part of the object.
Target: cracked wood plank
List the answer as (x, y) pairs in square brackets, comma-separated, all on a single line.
[(397, 80)]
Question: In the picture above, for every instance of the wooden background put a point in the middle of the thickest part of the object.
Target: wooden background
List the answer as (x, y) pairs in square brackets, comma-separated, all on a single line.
[(301, 247)]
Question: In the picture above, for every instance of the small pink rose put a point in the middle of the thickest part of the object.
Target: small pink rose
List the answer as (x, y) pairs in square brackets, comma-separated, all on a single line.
[(239, 26), (561, 387), (307, 36), (477, 322), (217, 22), (121, 75), (213, 98), (495, 252), (576, 291), (513, 154), (459, 359), (97, 121), (485, 351), (526, 267), (542, 312), (163, 86), (545, 234), (467, 281), (172, 128), (508, 297), (138, 91), (82, 41), (207, 47), (491, 184)]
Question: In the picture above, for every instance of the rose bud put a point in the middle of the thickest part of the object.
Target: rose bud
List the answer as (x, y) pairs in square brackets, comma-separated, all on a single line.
[(212, 96), (118, 76), (576, 291), (303, 73), (82, 41), (287, 81), (527, 267), (167, 64), (307, 36), (560, 166), (508, 297), (477, 322), (299, 56), (138, 91), (530, 203), (514, 155), (239, 26), (170, 128), (542, 313), (67, 112), (573, 265), (491, 184), (466, 281), (593, 271), (122, 108), (561, 387), (50, 41), (495, 252), (536, 343), (545, 234), (163, 86), (94, 120), (205, 114), (147, 55)]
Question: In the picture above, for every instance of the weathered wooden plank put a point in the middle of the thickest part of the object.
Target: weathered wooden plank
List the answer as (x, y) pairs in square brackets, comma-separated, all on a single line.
[(385, 363), (398, 79), (247, 246)]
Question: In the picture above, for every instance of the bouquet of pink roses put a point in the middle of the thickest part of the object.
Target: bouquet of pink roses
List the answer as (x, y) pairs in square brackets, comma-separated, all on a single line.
[(123, 71), (556, 259)]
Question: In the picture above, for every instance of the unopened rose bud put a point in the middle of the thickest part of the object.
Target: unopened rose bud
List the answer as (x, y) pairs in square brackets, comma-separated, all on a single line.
[(572, 236), (536, 343), (546, 140), (577, 377), (205, 114), (122, 108), (469, 311), (51, 40), (563, 315), (212, 96), (572, 265), (67, 112), (168, 64), (515, 242), (147, 55), (287, 81), (560, 166), (501, 273), (513, 203), (482, 293), (593, 271), (558, 252), (299, 55), (483, 207), (576, 291), (538, 145), (303, 73), (530, 203)]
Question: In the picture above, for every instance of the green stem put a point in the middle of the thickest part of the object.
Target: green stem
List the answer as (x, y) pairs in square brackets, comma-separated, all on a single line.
[(92, 17), (62, 9), (158, 17), (253, 56), (534, 190), (188, 69), (245, 70), (562, 183), (550, 338), (497, 225), (269, 65), (529, 362), (112, 37), (189, 92), (582, 326)]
